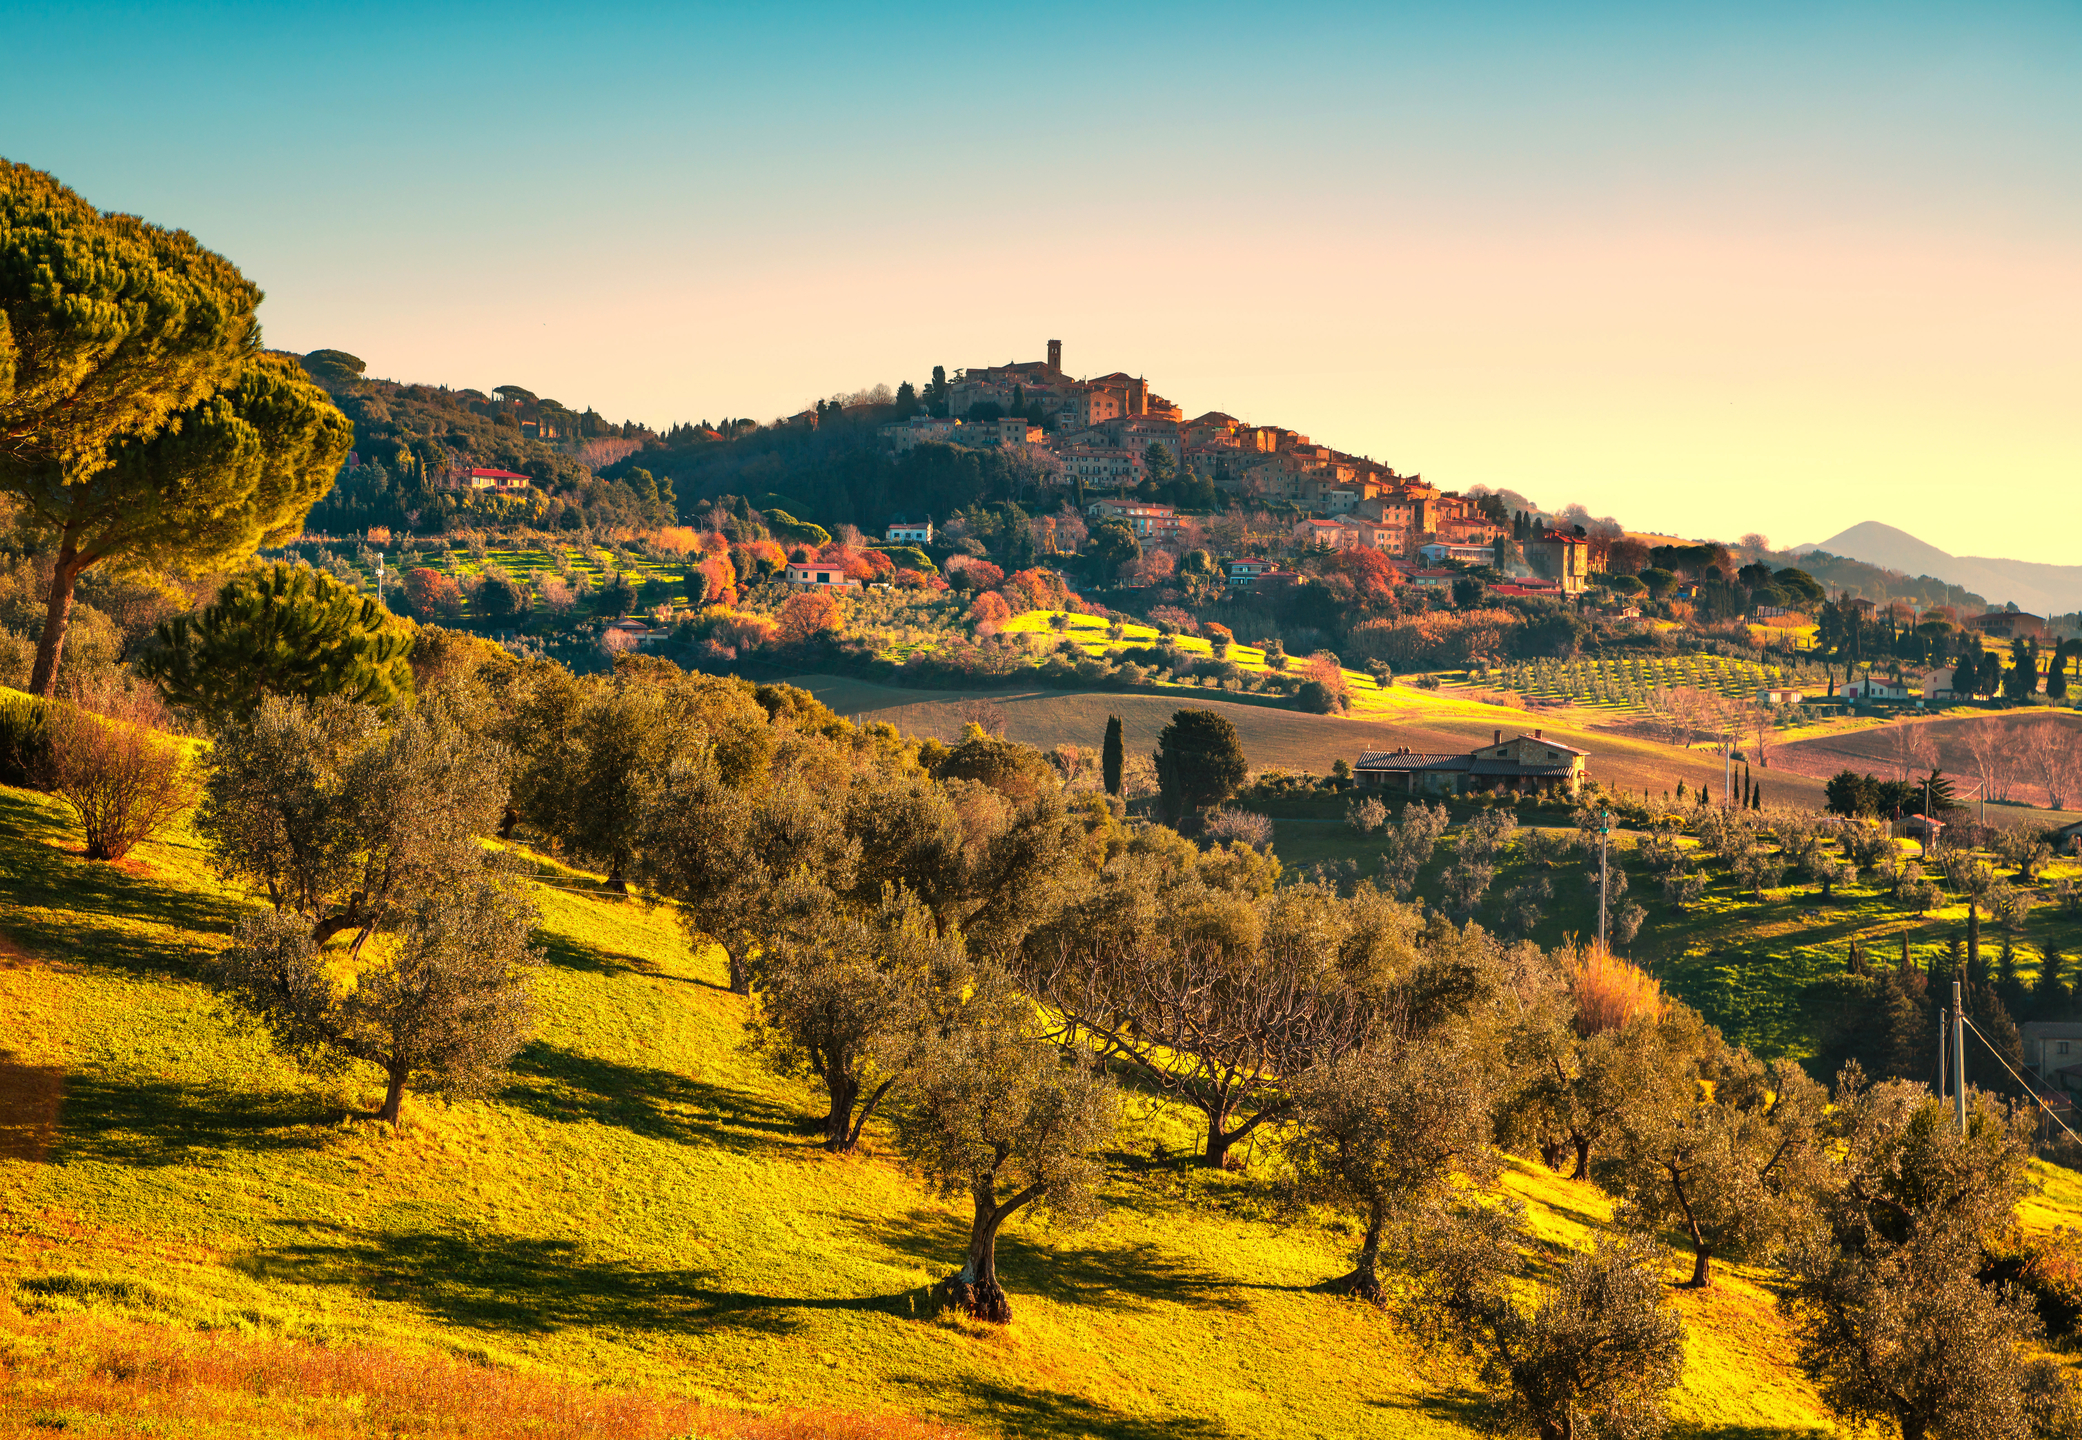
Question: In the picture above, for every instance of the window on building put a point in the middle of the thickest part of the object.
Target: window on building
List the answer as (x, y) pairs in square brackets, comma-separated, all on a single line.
[(2063, 1049)]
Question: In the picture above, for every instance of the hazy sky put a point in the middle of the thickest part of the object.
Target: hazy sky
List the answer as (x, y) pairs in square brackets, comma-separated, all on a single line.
[(1761, 267)]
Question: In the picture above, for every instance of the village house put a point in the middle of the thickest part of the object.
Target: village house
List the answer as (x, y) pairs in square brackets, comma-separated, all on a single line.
[(820, 574), (975, 434), (496, 480), (1243, 574), (910, 532), (1559, 556), (1529, 764), (2009, 624), (1437, 553), (1147, 519)]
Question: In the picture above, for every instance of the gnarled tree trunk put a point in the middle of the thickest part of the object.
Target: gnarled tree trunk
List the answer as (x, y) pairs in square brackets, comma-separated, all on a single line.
[(975, 1287), (1364, 1283), (394, 1098)]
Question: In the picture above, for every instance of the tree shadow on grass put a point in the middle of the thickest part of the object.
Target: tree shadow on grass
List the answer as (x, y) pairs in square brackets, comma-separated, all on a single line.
[(1138, 1273), (536, 1285), (569, 954), (1023, 1410), (566, 1086), (37, 872), (147, 1123)]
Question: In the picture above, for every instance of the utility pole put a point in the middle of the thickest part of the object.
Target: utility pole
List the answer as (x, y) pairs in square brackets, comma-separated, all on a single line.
[(1944, 1048), (1604, 871), (1958, 1059), (379, 577)]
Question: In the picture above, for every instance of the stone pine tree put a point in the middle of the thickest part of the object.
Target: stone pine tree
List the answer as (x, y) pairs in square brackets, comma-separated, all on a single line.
[(286, 630), (140, 423), (1113, 759), (1199, 760)]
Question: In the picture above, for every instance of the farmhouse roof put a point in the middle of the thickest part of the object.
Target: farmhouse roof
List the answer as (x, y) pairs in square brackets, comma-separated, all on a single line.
[(500, 475), (1410, 760)]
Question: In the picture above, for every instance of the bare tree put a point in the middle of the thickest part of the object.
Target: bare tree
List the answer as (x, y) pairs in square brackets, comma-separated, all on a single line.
[(106, 760), (2049, 748)]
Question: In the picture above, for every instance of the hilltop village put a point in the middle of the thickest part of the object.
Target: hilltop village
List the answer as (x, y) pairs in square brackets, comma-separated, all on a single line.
[(1115, 433)]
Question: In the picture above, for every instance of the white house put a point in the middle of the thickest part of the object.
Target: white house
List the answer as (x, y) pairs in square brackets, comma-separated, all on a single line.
[(911, 532), (1437, 553), (1867, 688)]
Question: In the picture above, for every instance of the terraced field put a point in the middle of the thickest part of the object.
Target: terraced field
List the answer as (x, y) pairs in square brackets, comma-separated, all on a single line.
[(1627, 685)]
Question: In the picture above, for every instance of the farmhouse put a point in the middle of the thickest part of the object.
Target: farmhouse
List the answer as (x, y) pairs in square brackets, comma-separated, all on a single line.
[(1527, 765), (819, 574), (497, 480), (911, 532)]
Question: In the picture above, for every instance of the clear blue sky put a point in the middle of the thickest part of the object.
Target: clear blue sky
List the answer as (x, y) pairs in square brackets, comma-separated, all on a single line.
[(1769, 267)]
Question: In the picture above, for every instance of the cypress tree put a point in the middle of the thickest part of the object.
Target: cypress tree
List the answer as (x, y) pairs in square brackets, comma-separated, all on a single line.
[(1114, 756)]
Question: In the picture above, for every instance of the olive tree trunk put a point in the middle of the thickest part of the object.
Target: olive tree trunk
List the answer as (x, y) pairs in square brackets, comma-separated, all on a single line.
[(394, 1097), (1364, 1281), (975, 1287)]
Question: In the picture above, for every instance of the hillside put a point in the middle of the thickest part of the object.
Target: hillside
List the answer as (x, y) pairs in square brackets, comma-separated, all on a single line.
[(641, 1210), (2041, 589)]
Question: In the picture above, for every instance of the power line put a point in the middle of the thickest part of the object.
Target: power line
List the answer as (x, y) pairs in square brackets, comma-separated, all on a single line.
[(2029, 1088)]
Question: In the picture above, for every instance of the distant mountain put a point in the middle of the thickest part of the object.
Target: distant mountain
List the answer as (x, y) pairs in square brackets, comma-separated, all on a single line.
[(2041, 589)]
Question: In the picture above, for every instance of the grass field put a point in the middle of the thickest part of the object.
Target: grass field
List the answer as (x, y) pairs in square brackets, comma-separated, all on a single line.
[(641, 1210)]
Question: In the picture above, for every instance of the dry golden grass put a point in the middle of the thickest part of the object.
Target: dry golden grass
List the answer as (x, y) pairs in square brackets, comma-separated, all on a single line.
[(100, 1375)]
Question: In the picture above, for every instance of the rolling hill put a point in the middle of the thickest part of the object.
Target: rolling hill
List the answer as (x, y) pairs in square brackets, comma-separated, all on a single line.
[(639, 1236), (2041, 589)]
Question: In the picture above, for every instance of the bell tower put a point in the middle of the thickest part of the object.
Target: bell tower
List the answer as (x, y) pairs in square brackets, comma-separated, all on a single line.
[(1055, 355)]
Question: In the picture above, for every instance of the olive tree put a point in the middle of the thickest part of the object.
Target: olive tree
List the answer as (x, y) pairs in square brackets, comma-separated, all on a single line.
[(1731, 1171), (444, 1007), (1594, 1355), (344, 824), (1384, 1128), (840, 995), (994, 1112), (140, 423), (1893, 1324)]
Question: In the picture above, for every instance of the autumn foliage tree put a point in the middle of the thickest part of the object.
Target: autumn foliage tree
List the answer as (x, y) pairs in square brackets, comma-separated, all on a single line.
[(141, 425)]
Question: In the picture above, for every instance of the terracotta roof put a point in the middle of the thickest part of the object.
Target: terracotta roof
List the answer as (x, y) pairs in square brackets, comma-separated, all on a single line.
[(1410, 760)]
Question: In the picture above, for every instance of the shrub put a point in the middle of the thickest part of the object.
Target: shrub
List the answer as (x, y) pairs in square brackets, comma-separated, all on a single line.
[(808, 613), (1610, 994), (990, 608), (122, 779), (1319, 699), (25, 741)]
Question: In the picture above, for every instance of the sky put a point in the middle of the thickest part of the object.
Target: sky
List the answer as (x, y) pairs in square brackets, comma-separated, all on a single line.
[(1710, 269)]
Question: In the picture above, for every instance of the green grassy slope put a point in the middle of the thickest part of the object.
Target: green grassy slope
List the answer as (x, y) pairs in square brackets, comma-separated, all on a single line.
[(643, 1207)]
